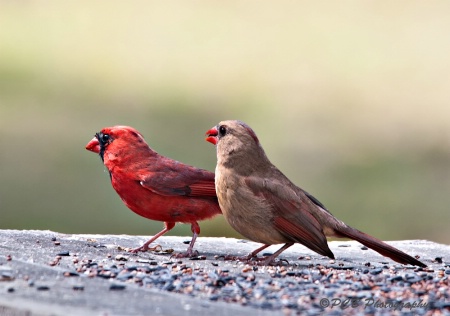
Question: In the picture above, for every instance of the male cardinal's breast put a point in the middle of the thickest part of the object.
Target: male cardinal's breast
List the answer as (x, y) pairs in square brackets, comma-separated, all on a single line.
[(158, 207)]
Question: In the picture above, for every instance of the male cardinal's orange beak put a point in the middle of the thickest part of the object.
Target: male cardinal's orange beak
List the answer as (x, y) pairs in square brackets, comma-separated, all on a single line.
[(212, 135), (93, 145)]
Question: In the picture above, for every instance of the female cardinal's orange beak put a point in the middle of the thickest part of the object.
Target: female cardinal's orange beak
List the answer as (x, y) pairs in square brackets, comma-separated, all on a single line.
[(212, 135), (93, 145)]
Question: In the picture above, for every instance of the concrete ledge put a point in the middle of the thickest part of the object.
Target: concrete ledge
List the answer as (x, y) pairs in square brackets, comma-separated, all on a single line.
[(48, 273)]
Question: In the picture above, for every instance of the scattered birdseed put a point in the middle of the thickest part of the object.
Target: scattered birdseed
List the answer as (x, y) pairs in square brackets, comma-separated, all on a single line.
[(121, 258), (6, 275), (71, 273), (117, 287), (298, 288), (198, 258), (78, 287), (42, 288), (286, 288), (376, 271)]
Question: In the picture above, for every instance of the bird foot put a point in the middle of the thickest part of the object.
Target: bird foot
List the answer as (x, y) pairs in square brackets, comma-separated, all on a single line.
[(247, 258), (267, 261), (259, 261), (227, 258), (145, 248), (274, 262), (187, 254)]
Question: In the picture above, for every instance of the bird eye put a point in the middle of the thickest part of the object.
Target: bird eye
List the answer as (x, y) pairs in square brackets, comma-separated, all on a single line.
[(222, 130), (103, 139)]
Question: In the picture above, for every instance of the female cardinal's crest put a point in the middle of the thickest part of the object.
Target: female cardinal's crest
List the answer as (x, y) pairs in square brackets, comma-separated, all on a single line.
[(252, 133)]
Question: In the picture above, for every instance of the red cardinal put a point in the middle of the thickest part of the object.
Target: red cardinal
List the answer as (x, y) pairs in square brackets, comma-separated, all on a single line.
[(262, 204), (154, 186)]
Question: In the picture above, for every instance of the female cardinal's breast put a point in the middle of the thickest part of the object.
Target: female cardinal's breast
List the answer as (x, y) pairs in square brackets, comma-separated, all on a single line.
[(248, 214)]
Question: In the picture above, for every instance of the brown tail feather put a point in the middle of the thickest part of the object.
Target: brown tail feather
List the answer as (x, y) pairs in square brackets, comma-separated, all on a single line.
[(379, 246)]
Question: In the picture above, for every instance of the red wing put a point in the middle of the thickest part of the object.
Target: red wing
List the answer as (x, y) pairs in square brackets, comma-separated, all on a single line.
[(292, 217), (203, 188), (180, 180)]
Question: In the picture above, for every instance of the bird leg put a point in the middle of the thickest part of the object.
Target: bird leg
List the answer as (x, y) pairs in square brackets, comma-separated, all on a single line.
[(253, 254), (248, 257), (145, 247), (189, 252), (270, 259), (262, 261), (195, 228)]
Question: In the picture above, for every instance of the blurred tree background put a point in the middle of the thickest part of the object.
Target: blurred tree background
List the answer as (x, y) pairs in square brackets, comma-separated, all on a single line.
[(349, 99)]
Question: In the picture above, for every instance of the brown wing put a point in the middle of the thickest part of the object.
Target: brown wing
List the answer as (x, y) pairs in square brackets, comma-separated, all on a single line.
[(292, 217)]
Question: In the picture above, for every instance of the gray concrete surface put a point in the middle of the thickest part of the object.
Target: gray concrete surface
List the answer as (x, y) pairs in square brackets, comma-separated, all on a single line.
[(48, 273)]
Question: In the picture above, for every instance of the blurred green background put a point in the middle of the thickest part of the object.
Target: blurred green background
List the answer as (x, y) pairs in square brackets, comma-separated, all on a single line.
[(349, 99)]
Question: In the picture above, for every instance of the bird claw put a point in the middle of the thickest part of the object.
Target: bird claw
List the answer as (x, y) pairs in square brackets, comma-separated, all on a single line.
[(266, 262), (247, 258), (269, 261), (228, 258), (145, 248), (259, 261), (187, 254), (273, 262)]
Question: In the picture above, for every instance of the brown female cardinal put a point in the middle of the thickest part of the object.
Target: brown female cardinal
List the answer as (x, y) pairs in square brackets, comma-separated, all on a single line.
[(263, 205), (154, 186)]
